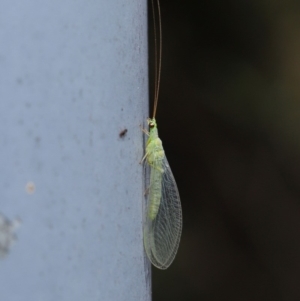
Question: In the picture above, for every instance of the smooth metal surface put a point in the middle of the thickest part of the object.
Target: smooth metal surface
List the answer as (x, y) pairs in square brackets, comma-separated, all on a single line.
[(73, 76)]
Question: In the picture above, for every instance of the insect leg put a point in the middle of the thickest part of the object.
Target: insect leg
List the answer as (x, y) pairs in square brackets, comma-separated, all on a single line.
[(146, 191), (144, 131), (143, 159)]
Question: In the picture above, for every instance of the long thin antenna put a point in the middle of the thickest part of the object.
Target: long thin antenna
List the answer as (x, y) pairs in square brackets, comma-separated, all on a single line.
[(157, 54)]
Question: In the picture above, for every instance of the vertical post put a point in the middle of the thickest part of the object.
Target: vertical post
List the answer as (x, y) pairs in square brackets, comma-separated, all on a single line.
[(73, 92)]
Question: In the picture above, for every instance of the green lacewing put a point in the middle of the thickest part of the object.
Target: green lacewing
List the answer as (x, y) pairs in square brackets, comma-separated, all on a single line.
[(163, 220)]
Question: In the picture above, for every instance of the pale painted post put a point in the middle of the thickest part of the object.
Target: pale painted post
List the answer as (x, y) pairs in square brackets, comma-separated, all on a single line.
[(73, 79)]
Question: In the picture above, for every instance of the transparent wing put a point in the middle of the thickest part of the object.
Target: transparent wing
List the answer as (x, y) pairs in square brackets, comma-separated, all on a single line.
[(162, 234)]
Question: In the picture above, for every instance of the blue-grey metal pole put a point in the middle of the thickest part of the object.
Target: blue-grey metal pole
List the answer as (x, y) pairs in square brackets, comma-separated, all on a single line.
[(73, 92)]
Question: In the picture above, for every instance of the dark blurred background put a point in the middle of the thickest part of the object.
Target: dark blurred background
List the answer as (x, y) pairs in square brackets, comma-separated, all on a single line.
[(229, 118)]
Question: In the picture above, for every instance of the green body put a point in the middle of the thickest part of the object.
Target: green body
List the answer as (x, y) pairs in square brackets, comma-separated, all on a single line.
[(154, 156)]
